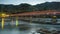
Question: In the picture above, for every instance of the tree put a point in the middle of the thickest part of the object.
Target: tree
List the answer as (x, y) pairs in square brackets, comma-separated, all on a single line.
[(24, 7)]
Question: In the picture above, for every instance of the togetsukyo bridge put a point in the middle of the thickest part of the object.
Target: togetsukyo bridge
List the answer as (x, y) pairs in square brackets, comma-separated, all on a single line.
[(37, 13), (40, 14), (32, 14)]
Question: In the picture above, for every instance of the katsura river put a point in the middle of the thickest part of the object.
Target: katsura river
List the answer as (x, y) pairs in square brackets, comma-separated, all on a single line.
[(32, 27)]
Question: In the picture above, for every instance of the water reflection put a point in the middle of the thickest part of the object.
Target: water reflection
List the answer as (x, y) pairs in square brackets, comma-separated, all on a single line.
[(2, 23), (13, 31), (25, 27)]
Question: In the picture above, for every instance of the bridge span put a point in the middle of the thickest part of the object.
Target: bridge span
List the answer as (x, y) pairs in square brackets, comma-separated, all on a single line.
[(37, 13), (32, 16)]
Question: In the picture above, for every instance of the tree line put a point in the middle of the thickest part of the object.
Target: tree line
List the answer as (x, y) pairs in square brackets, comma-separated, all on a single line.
[(24, 7)]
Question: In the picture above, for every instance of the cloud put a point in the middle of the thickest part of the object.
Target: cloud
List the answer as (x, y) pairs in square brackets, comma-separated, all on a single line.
[(33, 2)]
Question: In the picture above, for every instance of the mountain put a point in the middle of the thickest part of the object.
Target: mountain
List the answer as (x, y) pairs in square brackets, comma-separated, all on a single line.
[(48, 6), (24, 7)]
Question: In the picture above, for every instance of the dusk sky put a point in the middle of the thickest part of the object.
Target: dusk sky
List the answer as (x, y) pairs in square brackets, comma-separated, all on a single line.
[(32, 2)]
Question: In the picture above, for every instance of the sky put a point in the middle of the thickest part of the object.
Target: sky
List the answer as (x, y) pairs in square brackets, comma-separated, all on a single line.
[(32, 2)]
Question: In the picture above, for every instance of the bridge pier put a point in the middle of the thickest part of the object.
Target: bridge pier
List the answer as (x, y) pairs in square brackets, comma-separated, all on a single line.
[(30, 19)]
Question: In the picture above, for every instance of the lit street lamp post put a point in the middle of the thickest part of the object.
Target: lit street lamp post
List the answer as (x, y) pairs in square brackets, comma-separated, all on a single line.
[(3, 15)]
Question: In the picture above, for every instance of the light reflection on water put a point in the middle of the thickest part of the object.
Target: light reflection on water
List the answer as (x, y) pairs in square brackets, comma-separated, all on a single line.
[(33, 27), (15, 30)]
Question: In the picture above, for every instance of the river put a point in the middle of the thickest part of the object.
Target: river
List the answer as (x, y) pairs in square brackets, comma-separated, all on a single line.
[(33, 28)]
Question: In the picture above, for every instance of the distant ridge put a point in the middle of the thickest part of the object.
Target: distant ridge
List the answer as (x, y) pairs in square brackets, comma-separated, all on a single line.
[(27, 7)]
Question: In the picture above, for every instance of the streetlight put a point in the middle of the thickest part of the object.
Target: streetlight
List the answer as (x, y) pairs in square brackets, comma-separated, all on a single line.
[(54, 19), (54, 16), (3, 15)]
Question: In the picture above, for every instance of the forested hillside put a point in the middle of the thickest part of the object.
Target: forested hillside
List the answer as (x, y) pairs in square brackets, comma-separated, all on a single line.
[(24, 7)]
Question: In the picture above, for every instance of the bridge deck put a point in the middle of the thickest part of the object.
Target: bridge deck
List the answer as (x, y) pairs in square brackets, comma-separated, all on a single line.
[(35, 13)]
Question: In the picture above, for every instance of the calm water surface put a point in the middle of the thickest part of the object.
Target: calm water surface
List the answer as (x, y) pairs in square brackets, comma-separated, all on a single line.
[(33, 28)]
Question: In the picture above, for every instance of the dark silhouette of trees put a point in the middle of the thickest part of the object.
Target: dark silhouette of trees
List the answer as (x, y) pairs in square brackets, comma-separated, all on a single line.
[(24, 7)]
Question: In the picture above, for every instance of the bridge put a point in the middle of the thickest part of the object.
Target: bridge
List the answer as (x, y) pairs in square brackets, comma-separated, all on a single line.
[(36, 14)]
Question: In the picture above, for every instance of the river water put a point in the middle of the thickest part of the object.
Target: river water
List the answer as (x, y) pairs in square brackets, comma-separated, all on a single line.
[(32, 28)]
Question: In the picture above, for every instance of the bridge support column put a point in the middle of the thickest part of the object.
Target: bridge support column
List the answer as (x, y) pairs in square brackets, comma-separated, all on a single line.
[(43, 19), (12, 22), (30, 20)]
